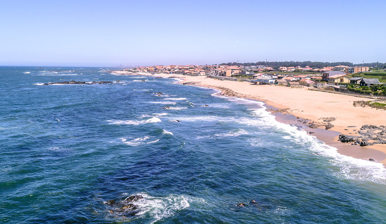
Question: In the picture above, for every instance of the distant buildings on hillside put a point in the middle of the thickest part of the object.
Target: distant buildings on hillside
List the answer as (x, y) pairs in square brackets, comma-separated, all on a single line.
[(324, 77), (359, 69)]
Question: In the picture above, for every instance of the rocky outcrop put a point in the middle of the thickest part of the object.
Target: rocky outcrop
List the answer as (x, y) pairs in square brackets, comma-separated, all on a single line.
[(368, 135), (72, 82), (346, 138), (125, 207), (321, 123)]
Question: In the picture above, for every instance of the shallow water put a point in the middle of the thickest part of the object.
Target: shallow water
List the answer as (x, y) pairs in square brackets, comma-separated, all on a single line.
[(67, 149)]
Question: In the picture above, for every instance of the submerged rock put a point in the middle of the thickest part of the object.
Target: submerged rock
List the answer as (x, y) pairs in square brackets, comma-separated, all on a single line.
[(133, 198), (125, 207)]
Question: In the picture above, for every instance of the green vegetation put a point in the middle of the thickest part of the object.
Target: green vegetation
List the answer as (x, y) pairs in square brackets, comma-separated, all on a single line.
[(378, 90), (374, 104), (378, 105)]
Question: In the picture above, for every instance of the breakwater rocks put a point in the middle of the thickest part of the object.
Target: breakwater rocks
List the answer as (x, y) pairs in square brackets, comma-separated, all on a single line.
[(368, 135), (72, 82)]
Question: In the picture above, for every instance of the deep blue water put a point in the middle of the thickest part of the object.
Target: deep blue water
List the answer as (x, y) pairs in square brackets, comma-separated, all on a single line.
[(65, 150)]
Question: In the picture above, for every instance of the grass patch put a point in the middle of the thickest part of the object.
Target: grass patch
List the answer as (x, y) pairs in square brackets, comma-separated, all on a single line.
[(378, 105), (373, 104)]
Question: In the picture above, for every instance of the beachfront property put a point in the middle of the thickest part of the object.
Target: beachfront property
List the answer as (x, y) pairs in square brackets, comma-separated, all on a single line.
[(369, 82), (335, 77), (320, 78)]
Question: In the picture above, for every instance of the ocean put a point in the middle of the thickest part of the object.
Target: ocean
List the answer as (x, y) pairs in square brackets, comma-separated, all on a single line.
[(76, 153)]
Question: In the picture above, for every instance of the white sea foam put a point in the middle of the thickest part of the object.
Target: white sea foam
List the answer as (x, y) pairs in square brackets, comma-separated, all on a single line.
[(38, 84), (233, 133), (164, 102), (219, 105), (165, 132), (56, 73), (349, 167), (134, 122), (142, 90), (160, 114), (197, 118), (140, 80), (162, 207), (26, 73), (57, 149), (176, 108), (175, 98), (139, 141)]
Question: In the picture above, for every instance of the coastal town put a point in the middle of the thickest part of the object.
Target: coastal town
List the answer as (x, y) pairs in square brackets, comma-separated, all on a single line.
[(342, 78)]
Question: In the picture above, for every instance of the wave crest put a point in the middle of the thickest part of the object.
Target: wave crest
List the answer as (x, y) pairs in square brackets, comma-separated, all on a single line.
[(134, 122)]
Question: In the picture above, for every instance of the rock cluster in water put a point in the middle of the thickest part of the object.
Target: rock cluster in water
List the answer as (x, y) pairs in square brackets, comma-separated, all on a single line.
[(72, 82), (125, 207), (369, 135)]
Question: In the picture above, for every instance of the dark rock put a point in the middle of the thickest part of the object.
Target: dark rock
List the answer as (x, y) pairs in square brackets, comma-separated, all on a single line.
[(241, 205), (133, 198), (346, 138), (371, 159), (363, 143), (329, 126), (129, 207), (253, 202), (110, 202), (313, 125), (72, 82)]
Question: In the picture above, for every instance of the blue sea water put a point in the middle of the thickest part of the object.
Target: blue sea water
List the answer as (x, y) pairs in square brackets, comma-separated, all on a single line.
[(65, 150)]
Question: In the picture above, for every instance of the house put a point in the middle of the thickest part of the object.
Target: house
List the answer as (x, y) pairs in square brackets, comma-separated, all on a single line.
[(232, 70), (369, 82), (355, 80), (335, 77), (263, 81), (282, 82), (306, 82), (342, 68)]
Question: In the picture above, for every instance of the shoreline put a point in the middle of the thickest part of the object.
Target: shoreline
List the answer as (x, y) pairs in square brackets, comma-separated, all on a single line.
[(329, 137), (283, 114)]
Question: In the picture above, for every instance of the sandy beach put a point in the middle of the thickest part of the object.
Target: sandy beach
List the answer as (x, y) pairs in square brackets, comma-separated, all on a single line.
[(306, 104)]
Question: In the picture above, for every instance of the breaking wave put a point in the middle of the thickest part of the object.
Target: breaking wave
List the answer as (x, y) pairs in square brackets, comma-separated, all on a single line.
[(233, 133), (348, 167), (176, 98), (164, 102), (139, 141), (165, 132), (134, 122), (176, 108), (157, 208), (56, 73)]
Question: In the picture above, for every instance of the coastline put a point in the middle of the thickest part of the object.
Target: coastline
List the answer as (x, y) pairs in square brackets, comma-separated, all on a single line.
[(292, 116)]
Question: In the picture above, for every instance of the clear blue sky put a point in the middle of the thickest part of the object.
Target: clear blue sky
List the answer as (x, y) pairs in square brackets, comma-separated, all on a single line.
[(145, 32)]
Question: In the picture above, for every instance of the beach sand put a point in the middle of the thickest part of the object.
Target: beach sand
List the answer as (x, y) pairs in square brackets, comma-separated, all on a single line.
[(307, 104)]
